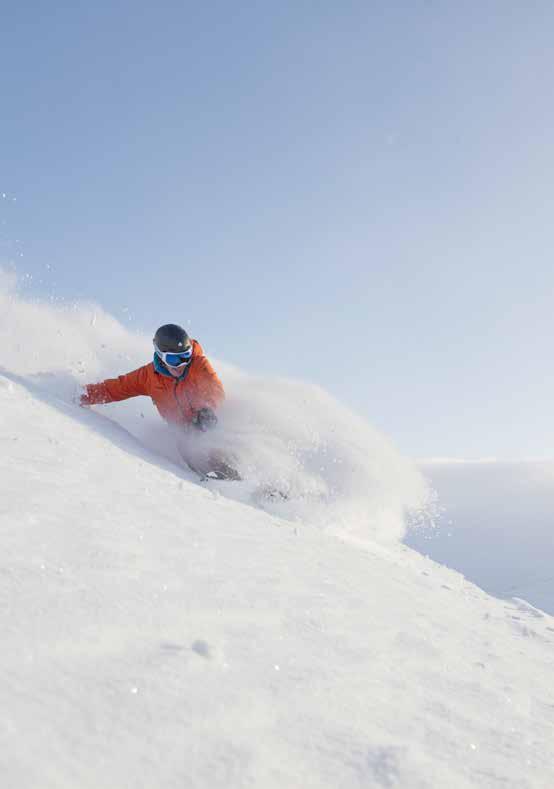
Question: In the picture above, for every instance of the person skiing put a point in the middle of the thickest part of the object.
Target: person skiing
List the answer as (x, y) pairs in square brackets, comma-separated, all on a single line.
[(183, 386)]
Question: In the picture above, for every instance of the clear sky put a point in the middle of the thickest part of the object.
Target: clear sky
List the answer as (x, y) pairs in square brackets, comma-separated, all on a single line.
[(355, 193)]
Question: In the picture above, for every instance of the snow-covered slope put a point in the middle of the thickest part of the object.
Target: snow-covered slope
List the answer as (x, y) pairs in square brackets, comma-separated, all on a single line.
[(156, 634), (340, 472), (159, 634)]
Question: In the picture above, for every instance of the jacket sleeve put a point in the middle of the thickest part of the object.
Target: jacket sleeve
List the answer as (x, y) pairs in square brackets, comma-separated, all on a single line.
[(120, 388), (210, 387)]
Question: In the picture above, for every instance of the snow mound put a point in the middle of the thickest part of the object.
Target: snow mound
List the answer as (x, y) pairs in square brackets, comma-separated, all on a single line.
[(328, 466)]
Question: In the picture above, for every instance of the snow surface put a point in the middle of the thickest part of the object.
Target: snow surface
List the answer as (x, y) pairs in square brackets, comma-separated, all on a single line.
[(158, 633)]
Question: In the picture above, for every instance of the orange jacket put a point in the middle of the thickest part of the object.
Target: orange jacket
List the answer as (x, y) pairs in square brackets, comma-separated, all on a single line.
[(177, 399)]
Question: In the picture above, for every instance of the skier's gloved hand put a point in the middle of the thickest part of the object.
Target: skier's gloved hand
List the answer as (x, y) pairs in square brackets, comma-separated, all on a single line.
[(81, 397), (204, 419)]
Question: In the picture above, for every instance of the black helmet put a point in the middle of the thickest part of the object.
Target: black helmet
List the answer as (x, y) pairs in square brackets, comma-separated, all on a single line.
[(171, 339)]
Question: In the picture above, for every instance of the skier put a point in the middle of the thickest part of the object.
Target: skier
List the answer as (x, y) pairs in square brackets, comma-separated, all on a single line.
[(184, 388)]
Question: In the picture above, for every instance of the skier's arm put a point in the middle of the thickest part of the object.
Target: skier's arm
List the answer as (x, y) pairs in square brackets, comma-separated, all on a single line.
[(113, 389), (211, 389)]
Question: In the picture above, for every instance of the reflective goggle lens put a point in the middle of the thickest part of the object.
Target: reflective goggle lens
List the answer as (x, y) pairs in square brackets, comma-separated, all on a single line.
[(175, 359)]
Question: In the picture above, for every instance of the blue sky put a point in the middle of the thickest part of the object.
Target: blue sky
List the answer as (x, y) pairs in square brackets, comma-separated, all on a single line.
[(358, 194)]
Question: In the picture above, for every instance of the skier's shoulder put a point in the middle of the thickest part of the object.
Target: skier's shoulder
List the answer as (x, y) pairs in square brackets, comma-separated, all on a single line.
[(199, 358), (142, 375), (197, 350), (200, 361), (144, 371)]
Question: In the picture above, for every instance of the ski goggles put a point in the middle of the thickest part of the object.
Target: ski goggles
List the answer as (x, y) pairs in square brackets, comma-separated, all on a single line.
[(175, 359)]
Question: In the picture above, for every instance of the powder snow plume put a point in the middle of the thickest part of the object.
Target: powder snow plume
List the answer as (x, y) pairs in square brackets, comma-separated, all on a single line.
[(336, 470)]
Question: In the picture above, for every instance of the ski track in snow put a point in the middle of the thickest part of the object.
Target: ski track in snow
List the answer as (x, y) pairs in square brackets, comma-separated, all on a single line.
[(159, 634)]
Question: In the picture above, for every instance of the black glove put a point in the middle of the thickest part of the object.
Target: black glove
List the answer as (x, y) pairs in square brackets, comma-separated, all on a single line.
[(204, 419)]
